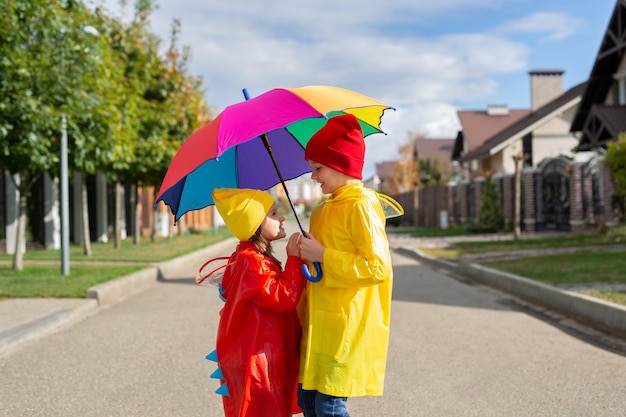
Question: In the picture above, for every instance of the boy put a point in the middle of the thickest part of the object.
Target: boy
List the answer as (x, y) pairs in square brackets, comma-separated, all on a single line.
[(345, 317)]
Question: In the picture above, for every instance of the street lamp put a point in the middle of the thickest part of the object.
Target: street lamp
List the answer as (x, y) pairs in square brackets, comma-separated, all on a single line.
[(65, 198)]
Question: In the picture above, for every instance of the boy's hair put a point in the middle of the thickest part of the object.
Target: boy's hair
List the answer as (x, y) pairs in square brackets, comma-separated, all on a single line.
[(339, 145)]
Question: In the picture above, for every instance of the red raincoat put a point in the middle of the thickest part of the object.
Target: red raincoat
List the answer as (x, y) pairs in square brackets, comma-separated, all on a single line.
[(258, 336)]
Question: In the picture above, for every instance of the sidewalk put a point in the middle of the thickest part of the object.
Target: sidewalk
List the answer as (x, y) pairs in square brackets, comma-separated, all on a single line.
[(26, 320)]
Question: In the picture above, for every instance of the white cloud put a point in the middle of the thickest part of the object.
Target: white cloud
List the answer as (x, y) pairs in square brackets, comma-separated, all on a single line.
[(282, 43), (554, 26)]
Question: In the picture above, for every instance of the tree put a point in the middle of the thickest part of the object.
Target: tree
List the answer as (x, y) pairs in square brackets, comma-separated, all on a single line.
[(490, 217), (42, 50), (407, 177), (616, 162), (167, 103)]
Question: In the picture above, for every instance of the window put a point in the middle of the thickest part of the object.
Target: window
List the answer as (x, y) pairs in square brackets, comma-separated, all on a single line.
[(619, 88)]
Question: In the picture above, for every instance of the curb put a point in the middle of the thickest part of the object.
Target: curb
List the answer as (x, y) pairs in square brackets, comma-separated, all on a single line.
[(60, 317), (117, 290), (598, 313)]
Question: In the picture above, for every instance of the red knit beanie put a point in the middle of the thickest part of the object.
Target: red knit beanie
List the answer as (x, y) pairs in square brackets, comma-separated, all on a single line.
[(339, 145)]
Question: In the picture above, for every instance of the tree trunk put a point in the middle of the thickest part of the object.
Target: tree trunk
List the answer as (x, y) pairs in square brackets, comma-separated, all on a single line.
[(181, 226), (118, 215), (137, 228), (85, 215), (18, 256), (153, 233)]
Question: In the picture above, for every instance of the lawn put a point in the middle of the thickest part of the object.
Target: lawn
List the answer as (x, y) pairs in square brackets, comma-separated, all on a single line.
[(41, 276), (588, 267), (430, 232), (467, 247), (579, 268)]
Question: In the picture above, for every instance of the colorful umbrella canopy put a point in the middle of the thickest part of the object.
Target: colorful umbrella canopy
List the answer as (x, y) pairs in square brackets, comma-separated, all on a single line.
[(230, 152)]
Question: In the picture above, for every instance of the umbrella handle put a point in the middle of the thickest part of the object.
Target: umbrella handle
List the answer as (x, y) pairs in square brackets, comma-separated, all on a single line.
[(307, 274)]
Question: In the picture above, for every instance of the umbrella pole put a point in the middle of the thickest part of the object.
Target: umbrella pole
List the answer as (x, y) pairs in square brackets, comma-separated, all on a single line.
[(266, 142), (305, 270), (268, 146)]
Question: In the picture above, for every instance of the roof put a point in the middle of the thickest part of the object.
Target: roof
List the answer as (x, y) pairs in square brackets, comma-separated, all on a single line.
[(528, 123), (434, 148), (607, 62), (478, 126), (604, 124), (386, 170)]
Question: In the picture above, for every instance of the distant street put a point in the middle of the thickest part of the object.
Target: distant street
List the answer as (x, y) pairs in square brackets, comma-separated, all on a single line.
[(456, 350)]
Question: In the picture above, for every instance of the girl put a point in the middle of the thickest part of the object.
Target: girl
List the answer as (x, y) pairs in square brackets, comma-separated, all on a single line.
[(259, 332)]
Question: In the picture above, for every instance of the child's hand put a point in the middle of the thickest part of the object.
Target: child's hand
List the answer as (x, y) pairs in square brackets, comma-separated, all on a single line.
[(293, 248), (311, 249)]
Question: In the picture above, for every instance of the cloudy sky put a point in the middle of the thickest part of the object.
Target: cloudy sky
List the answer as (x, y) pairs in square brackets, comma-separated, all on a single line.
[(426, 58)]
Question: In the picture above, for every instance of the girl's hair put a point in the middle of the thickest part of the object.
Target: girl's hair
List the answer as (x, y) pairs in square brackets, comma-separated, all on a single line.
[(263, 245)]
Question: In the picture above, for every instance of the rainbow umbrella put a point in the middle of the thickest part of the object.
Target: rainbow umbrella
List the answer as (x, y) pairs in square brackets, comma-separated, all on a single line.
[(258, 143)]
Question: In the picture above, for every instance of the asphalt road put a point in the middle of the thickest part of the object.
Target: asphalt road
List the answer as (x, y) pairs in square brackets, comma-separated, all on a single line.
[(456, 350)]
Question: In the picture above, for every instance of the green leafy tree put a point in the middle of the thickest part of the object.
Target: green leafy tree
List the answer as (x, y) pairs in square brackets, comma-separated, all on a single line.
[(166, 103), (490, 217), (616, 161), (42, 66)]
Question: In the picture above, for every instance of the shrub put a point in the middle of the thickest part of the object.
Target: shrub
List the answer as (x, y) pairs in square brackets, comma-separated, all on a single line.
[(490, 217)]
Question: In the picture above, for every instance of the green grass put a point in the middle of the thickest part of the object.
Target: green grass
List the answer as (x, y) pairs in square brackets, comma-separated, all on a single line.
[(46, 281), (456, 249), (578, 268), (430, 232), (612, 296), (41, 276)]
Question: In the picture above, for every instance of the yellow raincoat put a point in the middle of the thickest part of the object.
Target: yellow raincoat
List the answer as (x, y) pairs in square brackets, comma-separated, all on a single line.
[(345, 317)]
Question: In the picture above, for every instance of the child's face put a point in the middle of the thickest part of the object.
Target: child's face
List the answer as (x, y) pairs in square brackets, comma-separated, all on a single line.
[(272, 226), (328, 178)]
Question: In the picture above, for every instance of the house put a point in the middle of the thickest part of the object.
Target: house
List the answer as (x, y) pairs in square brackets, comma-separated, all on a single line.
[(394, 177), (477, 127), (600, 118), (601, 115), (437, 153), (386, 178), (491, 139)]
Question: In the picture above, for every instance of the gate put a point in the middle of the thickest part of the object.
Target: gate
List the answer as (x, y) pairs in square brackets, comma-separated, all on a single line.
[(555, 194)]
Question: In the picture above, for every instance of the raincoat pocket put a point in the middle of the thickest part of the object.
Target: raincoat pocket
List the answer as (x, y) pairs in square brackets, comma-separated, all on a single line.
[(334, 332)]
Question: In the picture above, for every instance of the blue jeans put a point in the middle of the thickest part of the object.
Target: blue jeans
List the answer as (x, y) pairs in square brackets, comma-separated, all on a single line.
[(316, 404)]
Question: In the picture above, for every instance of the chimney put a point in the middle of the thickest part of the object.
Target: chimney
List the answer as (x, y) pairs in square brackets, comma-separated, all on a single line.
[(497, 110), (545, 86)]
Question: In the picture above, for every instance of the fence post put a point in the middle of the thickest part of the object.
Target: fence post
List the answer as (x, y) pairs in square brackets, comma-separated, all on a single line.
[(452, 191), (531, 199), (576, 197), (479, 183), (463, 202), (507, 198), (607, 189)]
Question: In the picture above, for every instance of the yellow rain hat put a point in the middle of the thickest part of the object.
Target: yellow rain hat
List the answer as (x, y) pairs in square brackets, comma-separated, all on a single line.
[(242, 209)]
